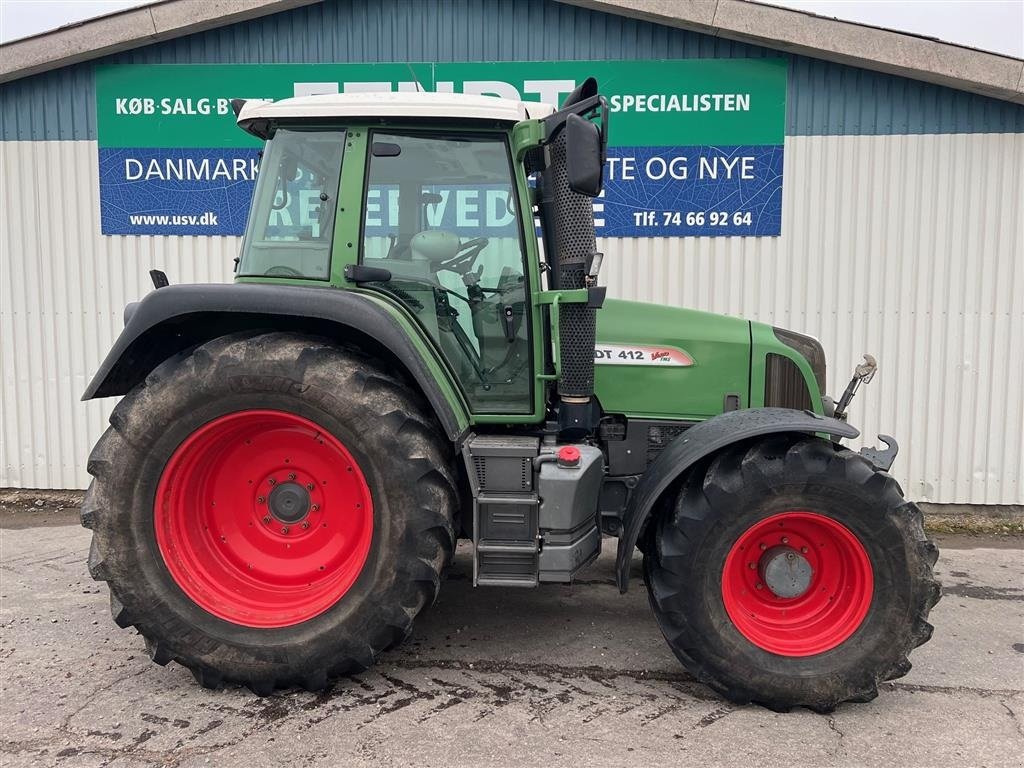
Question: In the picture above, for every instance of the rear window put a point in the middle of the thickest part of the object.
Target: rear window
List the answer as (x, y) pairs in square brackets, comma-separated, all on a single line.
[(291, 222)]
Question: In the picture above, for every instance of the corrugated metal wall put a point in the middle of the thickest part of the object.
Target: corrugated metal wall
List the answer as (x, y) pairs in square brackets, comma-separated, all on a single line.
[(905, 246), (63, 287), (902, 232)]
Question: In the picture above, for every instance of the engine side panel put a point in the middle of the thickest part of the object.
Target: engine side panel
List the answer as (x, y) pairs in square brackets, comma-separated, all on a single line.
[(664, 362)]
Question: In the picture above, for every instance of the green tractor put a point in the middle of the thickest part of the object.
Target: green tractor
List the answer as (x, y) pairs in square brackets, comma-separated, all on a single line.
[(402, 362)]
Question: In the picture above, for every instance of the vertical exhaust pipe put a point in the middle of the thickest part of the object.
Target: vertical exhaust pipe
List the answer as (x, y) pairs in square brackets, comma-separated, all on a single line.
[(567, 220)]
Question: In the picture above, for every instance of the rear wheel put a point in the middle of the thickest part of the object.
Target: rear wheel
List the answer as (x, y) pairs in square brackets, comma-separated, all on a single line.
[(270, 510), (791, 573)]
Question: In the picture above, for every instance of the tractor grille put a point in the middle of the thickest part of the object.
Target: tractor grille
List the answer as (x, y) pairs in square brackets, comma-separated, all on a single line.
[(784, 385), (659, 436)]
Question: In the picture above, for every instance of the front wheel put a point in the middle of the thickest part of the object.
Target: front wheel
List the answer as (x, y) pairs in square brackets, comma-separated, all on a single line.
[(790, 573)]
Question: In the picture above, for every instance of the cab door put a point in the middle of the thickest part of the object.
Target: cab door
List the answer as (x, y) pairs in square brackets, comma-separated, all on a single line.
[(442, 215)]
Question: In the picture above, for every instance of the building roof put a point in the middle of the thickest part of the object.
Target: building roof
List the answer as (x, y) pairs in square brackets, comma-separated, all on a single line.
[(124, 30), (844, 42), (401, 104), (797, 32)]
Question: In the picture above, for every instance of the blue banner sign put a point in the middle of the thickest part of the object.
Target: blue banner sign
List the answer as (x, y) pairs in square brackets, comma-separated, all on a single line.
[(699, 161)]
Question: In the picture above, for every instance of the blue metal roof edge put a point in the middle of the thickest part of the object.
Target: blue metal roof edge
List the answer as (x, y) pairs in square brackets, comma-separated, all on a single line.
[(824, 98)]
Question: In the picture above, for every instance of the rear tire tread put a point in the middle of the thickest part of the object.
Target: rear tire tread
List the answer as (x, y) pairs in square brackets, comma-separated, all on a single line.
[(402, 422)]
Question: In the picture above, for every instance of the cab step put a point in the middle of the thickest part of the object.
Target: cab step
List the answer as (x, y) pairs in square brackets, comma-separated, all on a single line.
[(506, 566), (508, 547)]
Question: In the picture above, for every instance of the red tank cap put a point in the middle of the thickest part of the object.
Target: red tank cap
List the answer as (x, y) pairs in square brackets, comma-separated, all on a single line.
[(568, 456)]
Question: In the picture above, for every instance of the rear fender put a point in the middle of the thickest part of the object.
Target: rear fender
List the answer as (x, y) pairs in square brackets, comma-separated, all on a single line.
[(176, 318), (698, 442)]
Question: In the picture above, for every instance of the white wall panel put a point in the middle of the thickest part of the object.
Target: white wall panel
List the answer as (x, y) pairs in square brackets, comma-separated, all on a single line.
[(906, 246), (63, 287)]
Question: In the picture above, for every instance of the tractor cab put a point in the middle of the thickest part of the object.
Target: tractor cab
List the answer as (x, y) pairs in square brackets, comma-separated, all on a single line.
[(445, 230)]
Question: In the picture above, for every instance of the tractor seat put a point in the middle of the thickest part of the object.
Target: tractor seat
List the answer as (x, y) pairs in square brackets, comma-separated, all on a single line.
[(434, 245)]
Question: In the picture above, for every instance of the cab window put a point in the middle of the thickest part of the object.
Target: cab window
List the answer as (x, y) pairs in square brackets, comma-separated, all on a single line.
[(442, 216), (291, 222)]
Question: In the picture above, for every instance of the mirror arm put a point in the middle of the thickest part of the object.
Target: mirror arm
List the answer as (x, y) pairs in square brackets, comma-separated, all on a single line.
[(556, 121)]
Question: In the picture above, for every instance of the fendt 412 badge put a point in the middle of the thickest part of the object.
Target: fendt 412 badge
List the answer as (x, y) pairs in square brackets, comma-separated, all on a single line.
[(295, 455)]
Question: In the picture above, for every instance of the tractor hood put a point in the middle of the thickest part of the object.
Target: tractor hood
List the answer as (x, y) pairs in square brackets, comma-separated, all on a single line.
[(665, 362)]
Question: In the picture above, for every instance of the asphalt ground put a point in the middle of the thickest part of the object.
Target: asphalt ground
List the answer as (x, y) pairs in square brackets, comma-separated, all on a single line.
[(561, 675)]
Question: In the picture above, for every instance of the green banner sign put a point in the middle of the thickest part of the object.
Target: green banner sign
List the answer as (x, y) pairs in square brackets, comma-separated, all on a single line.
[(704, 132), (699, 101)]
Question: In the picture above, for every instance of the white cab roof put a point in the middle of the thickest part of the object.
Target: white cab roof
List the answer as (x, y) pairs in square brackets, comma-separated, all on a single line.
[(401, 104)]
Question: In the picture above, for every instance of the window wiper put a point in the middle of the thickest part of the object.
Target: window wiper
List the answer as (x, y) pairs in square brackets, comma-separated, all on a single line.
[(449, 315), (408, 298), (467, 350)]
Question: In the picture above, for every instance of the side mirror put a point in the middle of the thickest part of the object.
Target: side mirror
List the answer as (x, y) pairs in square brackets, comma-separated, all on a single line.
[(584, 156)]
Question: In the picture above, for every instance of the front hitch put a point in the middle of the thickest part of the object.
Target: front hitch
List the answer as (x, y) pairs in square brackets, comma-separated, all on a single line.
[(862, 374), (881, 458)]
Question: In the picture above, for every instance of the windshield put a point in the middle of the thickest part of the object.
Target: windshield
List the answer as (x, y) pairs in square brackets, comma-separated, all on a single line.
[(291, 222)]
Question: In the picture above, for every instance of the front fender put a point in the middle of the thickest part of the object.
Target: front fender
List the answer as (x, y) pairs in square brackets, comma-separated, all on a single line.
[(698, 442), (176, 318)]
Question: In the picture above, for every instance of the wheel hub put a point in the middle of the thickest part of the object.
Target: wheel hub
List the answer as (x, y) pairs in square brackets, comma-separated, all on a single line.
[(289, 502), (785, 572)]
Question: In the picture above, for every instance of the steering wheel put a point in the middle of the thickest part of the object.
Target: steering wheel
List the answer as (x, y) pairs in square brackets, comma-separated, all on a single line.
[(282, 271), (463, 260)]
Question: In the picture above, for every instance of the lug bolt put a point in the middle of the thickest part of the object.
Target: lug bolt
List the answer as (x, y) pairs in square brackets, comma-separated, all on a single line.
[(284, 529), (785, 539), (261, 499), (272, 481), (267, 519), (305, 524), (760, 586), (764, 546), (804, 550), (309, 486), (291, 475), (314, 508), (752, 566)]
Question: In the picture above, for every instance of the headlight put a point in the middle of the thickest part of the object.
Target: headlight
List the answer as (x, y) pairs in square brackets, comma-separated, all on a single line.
[(811, 350)]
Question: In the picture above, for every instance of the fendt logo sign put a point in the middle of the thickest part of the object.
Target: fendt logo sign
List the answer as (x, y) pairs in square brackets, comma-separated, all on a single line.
[(695, 146)]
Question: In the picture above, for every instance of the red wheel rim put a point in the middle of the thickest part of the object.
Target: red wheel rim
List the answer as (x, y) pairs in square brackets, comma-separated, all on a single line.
[(819, 556), (263, 518)]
